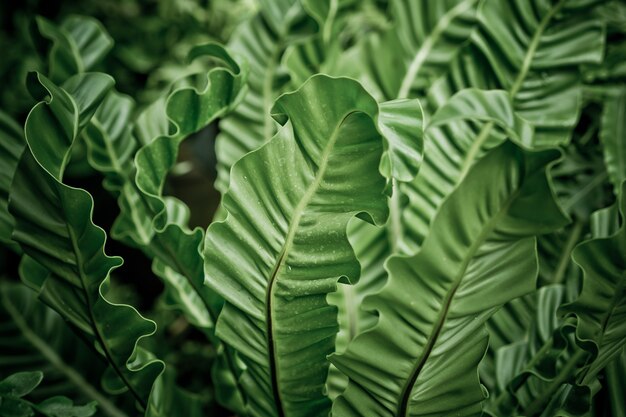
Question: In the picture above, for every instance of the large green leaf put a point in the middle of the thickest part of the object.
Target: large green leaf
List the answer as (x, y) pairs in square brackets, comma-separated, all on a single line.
[(522, 68), (11, 147), (445, 161), (404, 60), (67, 263), (422, 356), (33, 337), (288, 206)]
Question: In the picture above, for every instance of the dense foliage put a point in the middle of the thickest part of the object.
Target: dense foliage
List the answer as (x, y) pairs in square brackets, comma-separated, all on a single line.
[(420, 211)]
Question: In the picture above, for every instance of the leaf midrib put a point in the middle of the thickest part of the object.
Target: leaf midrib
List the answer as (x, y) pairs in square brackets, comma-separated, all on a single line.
[(291, 232), (94, 324), (429, 43), (488, 228)]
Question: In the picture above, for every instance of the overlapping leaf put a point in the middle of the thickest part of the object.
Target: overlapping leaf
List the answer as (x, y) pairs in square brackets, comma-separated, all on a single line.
[(536, 353), (11, 148), (613, 136), (73, 47), (33, 337), (68, 265), (422, 356), (601, 306), (14, 387), (261, 41), (534, 49), (288, 206)]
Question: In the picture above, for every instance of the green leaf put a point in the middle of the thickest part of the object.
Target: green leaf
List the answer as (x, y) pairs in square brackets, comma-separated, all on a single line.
[(111, 147), (64, 407), (176, 250), (169, 400), (20, 384), (615, 382), (157, 224), (11, 147), (535, 354), (188, 110), (283, 15), (422, 356), (597, 318), (508, 325), (288, 206), (401, 124), (430, 34), (452, 145), (613, 136), (534, 49), (35, 337), (261, 41), (601, 306), (73, 47), (405, 60), (450, 151), (67, 111), (60, 236)]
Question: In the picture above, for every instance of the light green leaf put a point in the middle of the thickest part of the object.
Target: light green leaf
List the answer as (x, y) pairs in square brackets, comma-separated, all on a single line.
[(401, 124), (431, 34), (422, 356), (157, 224), (110, 145), (288, 207)]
